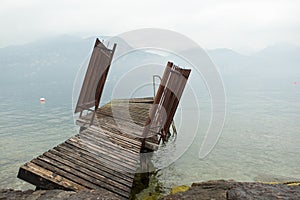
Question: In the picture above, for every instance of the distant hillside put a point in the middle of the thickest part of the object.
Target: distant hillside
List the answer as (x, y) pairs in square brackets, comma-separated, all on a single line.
[(278, 62), (275, 67), (55, 59), (58, 60)]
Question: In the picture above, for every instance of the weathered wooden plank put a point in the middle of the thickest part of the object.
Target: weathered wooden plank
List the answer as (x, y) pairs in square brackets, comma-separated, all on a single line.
[(125, 128), (90, 166), (113, 162), (132, 109), (44, 178), (120, 127), (116, 152), (167, 98), (110, 147), (137, 115), (63, 171), (103, 163), (94, 163), (90, 176), (124, 133), (90, 170), (138, 112), (136, 100), (151, 145), (131, 149), (95, 77), (38, 181), (115, 135), (92, 144), (100, 134), (127, 132)]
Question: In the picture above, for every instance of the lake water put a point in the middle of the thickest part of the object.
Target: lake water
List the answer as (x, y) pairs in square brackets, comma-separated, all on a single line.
[(260, 139), (260, 142)]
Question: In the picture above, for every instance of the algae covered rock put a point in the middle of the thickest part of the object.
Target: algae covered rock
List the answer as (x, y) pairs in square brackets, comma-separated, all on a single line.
[(177, 189)]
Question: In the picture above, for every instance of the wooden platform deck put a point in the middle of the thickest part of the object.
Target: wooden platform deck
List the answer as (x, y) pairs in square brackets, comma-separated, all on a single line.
[(123, 117), (104, 156)]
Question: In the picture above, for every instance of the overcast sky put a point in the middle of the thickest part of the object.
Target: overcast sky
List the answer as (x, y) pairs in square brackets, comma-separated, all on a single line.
[(244, 26)]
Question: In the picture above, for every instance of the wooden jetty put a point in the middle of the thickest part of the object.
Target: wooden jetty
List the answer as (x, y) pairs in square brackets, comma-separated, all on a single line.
[(106, 153), (99, 157)]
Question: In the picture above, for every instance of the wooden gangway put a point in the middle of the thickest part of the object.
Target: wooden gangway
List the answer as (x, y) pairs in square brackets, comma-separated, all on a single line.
[(99, 157), (107, 151)]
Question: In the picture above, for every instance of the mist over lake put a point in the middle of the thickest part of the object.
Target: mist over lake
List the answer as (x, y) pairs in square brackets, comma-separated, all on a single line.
[(261, 135)]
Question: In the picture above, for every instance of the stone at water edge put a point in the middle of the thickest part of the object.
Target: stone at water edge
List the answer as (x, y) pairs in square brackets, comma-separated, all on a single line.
[(231, 190), (177, 189)]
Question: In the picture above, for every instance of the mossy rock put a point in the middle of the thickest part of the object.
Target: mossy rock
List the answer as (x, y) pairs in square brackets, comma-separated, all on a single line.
[(178, 189), (293, 183), (286, 183), (155, 196), (270, 183)]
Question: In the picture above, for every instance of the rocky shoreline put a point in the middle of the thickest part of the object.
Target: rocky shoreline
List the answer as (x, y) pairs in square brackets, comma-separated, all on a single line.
[(11, 194), (231, 190), (218, 190)]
